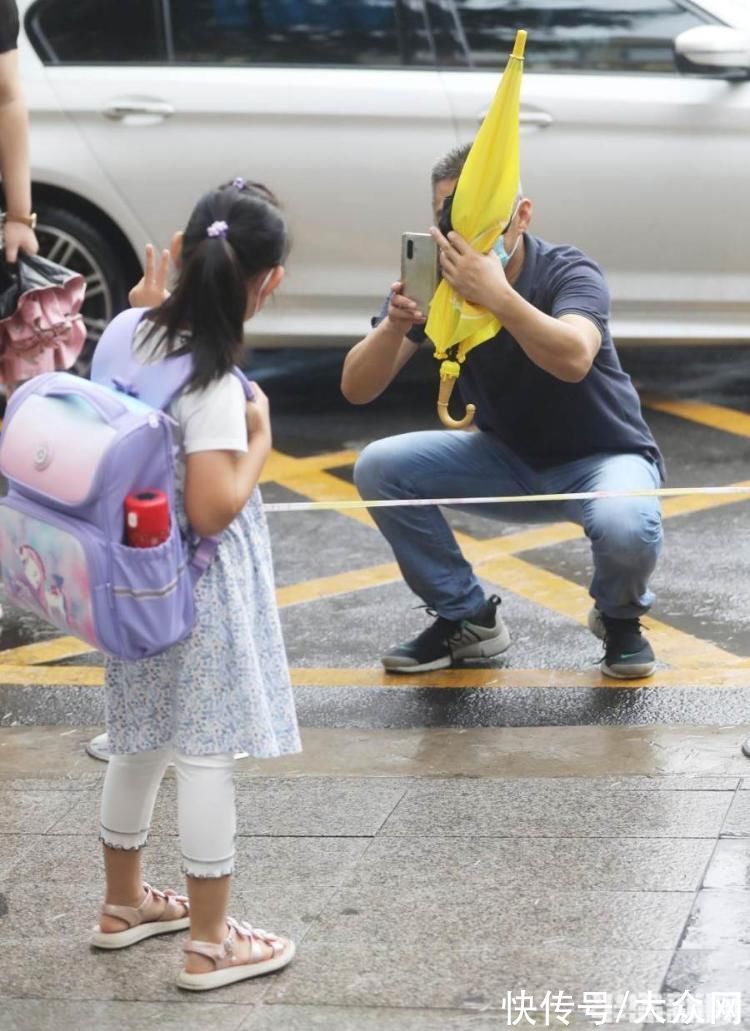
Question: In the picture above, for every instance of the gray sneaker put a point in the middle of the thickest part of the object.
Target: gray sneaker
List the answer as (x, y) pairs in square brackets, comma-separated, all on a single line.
[(448, 641)]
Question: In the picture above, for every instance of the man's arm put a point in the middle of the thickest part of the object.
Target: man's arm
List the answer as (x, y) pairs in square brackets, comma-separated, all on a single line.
[(565, 347), (375, 361), (14, 158)]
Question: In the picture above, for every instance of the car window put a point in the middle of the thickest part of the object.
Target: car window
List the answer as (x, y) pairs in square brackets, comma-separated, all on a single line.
[(301, 32), (98, 31), (597, 35)]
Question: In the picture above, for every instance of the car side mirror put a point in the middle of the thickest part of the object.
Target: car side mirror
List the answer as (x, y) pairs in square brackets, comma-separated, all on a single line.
[(714, 49)]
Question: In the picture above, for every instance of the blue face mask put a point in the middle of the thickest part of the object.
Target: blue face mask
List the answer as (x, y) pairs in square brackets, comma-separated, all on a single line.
[(499, 247), (501, 252)]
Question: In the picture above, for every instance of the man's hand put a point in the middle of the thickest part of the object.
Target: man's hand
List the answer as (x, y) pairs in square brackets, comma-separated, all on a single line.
[(478, 278), (152, 289), (19, 237), (402, 313), (376, 360)]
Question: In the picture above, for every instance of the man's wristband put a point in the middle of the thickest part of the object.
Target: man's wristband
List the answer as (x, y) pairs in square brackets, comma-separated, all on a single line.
[(26, 220)]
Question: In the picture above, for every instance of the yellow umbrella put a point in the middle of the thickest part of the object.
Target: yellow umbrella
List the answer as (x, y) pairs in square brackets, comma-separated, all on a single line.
[(482, 207)]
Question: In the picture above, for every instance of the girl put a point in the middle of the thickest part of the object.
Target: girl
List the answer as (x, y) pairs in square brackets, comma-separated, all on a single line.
[(226, 688)]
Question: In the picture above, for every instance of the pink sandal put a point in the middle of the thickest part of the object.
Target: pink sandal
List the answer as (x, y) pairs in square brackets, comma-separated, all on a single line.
[(138, 927), (227, 967)]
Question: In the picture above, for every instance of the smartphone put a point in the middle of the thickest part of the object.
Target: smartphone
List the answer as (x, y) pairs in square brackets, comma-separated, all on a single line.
[(420, 268)]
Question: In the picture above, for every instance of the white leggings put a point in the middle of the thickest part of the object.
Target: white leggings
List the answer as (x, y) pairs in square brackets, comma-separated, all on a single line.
[(206, 814)]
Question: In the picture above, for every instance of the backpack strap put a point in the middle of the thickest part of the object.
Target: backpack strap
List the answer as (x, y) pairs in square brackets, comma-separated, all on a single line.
[(158, 384), (245, 383), (115, 365)]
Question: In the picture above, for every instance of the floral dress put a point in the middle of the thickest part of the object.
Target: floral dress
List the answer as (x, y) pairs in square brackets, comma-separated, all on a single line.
[(225, 688)]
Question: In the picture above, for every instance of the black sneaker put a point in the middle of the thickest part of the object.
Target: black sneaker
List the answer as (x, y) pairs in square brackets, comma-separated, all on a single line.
[(447, 641), (627, 653)]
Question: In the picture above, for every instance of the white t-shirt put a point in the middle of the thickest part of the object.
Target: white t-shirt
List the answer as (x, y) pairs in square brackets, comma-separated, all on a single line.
[(211, 419)]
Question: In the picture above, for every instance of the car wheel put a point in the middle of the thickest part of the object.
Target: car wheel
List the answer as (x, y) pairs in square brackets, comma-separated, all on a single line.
[(76, 243)]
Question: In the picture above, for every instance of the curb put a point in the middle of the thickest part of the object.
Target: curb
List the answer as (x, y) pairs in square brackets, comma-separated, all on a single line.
[(77, 702)]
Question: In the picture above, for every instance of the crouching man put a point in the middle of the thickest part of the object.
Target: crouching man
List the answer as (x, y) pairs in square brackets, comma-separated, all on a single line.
[(556, 413)]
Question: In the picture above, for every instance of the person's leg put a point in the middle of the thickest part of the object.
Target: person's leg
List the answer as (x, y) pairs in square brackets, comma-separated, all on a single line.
[(207, 825), (625, 533), (626, 539), (130, 788), (436, 464)]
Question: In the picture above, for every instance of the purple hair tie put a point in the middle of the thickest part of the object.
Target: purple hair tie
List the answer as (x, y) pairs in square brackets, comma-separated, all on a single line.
[(218, 229), (239, 183)]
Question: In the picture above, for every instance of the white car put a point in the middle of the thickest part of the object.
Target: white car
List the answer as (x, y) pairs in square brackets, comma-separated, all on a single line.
[(635, 146)]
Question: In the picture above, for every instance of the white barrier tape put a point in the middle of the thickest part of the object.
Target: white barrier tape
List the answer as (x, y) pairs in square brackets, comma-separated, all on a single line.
[(514, 499)]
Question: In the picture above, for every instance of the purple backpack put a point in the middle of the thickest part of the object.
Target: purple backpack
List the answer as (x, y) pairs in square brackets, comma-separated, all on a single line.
[(72, 451)]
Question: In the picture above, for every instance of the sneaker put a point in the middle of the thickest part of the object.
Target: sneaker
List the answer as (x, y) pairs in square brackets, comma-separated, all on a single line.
[(627, 653), (447, 641)]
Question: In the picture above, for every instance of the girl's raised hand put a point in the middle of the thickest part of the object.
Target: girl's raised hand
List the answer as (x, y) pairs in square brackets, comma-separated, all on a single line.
[(152, 289)]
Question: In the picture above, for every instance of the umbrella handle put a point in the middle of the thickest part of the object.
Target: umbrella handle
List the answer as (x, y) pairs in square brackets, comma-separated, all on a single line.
[(444, 396)]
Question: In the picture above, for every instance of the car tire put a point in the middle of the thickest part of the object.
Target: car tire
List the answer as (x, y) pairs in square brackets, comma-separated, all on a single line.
[(79, 244)]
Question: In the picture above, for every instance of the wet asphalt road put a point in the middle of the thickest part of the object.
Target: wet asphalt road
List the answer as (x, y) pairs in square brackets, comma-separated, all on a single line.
[(700, 583)]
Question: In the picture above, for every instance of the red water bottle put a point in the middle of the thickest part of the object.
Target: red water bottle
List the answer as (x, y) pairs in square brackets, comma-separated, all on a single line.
[(147, 519)]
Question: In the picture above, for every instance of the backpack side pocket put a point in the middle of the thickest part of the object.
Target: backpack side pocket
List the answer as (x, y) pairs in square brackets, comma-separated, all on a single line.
[(152, 596)]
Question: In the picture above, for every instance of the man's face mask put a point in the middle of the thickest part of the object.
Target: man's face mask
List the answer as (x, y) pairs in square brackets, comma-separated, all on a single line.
[(501, 252), (499, 247)]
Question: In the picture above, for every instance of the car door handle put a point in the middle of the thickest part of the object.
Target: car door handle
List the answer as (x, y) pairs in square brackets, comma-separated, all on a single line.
[(533, 119), (135, 107), (538, 119)]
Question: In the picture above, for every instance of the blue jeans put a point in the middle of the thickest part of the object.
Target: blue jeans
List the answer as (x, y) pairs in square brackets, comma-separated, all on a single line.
[(625, 533)]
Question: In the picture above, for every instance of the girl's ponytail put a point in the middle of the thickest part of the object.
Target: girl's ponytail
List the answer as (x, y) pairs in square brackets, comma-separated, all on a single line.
[(234, 234)]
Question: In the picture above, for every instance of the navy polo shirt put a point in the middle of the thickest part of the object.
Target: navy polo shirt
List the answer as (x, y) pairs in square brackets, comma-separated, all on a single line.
[(543, 420)]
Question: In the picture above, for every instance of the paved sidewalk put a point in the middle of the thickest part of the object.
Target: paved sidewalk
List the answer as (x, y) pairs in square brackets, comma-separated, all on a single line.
[(424, 874)]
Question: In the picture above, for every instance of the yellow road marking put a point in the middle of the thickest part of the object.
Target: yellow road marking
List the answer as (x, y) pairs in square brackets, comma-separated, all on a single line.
[(476, 551), (673, 646), (318, 485), (44, 651), (279, 466), (309, 477), (516, 678), (339, 583), (388, 572), (339, 677), (729, 420), (672, 507), (52, 676)]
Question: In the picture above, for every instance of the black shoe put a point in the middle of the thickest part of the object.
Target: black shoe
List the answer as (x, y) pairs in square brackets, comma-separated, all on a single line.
[(481, 636), (627, 653)]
